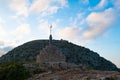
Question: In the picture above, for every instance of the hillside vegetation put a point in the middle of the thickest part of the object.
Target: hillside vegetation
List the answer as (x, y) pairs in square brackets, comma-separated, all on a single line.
[(74, 54), (13, 71)]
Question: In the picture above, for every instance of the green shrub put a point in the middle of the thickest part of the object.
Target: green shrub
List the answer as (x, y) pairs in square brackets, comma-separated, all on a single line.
[(13, 71), (90, 68)]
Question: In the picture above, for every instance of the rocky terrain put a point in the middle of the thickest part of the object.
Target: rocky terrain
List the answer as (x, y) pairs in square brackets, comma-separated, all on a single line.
[(68, 71), (77, 74), (74, 54)]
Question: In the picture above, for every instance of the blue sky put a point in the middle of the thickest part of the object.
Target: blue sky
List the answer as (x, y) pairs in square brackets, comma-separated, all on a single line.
[(90, 23)]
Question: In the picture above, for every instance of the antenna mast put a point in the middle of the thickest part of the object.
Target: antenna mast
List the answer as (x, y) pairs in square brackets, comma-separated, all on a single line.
[(50, 37), (50, 29)]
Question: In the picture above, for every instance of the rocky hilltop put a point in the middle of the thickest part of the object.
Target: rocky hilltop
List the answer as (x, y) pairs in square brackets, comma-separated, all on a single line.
[(73, 53)]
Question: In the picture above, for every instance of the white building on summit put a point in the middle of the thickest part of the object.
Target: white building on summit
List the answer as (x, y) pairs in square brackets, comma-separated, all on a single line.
[(50, 53)]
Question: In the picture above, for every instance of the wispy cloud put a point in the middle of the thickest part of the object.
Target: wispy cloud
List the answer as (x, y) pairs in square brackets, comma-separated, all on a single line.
[(23, 8), (71, 33), (47, 7), (101, 5), (98, 22), (20, 7)]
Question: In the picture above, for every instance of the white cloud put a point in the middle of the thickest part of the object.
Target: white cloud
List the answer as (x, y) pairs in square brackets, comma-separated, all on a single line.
[(4, 43), (72, 33), (2, 32), (101, 5), (98, 22), (4, 48), (23, 8), (46, 7), (1, 21), (69, 33), (20, 7), (21, 31), (1, 43)]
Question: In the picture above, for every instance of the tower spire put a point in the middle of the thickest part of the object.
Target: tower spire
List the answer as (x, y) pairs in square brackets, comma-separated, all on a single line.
[(50, 37)]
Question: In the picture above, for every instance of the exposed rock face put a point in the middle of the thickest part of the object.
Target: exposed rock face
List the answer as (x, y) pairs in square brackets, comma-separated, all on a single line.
[(50, 54)]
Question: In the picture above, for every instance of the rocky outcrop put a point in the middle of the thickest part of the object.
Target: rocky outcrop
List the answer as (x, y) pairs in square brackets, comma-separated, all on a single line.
[(73, 53)]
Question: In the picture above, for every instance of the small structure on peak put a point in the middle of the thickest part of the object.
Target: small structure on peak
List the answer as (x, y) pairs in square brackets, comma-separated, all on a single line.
[(50, 54), (50, 37)]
